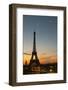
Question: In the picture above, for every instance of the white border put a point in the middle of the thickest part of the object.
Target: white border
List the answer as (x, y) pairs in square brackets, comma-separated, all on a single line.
[(41, 77)]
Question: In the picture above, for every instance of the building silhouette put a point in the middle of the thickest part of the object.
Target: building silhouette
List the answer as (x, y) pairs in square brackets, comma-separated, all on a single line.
[(34, 61)]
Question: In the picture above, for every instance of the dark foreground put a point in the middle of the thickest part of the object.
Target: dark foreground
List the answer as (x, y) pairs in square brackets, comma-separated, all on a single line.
[(41, 69)]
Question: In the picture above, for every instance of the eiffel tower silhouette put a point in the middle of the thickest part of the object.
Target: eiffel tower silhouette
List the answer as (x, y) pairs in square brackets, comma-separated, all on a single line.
[(34, 58)]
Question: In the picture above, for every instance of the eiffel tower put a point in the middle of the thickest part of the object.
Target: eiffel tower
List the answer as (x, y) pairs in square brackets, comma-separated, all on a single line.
[(34, 58)]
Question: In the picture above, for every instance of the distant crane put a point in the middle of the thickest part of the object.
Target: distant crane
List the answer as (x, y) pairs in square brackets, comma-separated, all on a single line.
[(27, 53)]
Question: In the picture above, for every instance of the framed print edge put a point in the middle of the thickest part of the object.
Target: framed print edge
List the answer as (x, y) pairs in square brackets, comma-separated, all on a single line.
[(65, 44), (12, 44)]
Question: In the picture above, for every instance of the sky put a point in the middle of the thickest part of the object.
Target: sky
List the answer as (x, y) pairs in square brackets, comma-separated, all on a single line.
[(46, 37)]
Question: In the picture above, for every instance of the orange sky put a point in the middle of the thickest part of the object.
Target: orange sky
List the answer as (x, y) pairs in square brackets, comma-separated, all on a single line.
[(43, 58)]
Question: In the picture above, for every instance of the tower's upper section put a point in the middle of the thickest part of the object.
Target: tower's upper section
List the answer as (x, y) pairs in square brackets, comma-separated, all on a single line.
[(34, 42)]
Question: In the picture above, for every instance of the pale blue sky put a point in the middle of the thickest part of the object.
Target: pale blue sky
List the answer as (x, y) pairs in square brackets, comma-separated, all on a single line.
[(46, 33)]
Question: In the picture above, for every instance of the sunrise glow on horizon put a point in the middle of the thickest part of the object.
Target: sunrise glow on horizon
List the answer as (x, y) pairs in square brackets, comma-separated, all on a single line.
[(44, 59)]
